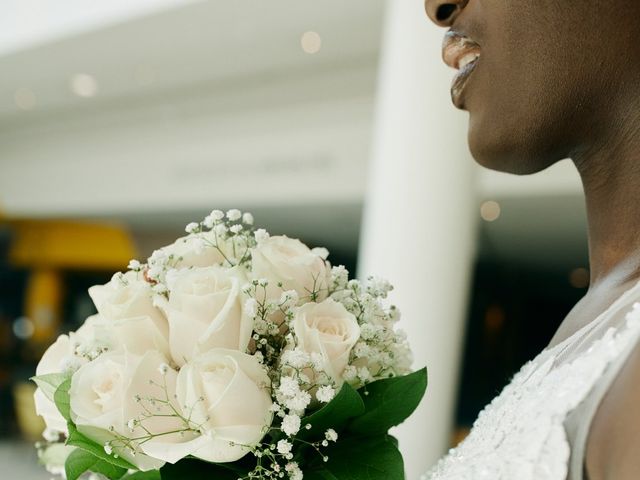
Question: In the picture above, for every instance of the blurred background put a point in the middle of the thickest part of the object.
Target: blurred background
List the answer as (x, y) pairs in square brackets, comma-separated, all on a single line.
[(330, 121)]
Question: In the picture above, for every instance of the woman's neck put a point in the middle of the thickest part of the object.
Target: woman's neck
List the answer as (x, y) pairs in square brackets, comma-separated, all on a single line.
[(610, 173)]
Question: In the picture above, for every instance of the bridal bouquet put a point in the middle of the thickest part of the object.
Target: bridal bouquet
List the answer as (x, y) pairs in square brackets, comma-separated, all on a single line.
[(230, 354)]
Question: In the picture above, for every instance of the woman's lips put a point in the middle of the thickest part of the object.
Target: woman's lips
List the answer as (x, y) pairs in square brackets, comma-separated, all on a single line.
[(461, 53), (460, 81)]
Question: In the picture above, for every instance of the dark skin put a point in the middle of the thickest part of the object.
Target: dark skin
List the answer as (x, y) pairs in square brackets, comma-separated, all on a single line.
[(561, 79)]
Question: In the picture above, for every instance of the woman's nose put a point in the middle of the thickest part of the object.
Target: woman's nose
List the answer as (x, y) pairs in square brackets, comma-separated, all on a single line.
[(444, 12)]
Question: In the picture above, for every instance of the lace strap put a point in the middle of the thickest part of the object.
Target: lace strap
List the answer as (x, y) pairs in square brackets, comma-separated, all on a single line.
[(612, 317), (578, 421)]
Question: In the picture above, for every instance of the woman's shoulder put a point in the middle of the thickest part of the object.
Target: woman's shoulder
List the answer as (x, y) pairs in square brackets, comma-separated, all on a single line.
[(614, 438), (592, 426)]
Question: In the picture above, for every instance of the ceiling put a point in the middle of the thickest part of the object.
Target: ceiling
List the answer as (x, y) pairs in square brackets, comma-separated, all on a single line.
[(210, 43), (25, 24)]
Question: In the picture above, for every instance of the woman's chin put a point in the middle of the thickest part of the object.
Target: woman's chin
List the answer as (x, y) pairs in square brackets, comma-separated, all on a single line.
[(503, 152)]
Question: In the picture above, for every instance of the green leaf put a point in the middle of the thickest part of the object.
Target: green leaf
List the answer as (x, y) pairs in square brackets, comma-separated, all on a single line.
[(61, 399), (49, 383), (192, 468), (389, 402), (79, 440), (359, 458), (81, 461), (150, 475), (319, 475), (347, 404)]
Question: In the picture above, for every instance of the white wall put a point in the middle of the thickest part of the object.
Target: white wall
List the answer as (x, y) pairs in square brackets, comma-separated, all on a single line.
[(196, 151)]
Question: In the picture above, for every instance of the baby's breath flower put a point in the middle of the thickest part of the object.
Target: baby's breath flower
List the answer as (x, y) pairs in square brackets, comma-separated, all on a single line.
[(296, 358), (298, 402), (291, 424), (234, 214), (217, 215), (325, 393), (261, 235), (220, 229), (350, 373), (259, 356), (235, 228), (317, 360), (193, 227), (331, 435), (364, 374), (284, 447), (361, 350), (134, 265), (209, 221), (289, 386), (294, 471), (339, 277), (378, 287), (368, 331), (247, 218)]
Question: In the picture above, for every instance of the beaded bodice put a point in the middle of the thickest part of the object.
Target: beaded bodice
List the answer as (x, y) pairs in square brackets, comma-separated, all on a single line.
[(521, 434)]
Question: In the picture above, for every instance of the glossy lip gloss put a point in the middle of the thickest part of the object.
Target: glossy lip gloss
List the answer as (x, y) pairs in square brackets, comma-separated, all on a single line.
[(463, 54)]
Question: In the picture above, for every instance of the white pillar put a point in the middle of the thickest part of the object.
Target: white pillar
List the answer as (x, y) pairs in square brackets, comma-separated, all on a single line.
[(420, 217)]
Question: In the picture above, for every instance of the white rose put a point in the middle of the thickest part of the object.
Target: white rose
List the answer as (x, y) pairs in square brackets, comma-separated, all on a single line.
[(51, 362), (329, 330), (290, 262), (228, 393), (136, 335), (198, 250), (96, 336), (103, 403), (54, 456), (127, 296), (62, 358), (205, 311)]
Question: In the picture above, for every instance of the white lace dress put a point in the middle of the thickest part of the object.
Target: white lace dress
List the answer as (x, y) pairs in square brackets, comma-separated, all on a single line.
[(537, 428)]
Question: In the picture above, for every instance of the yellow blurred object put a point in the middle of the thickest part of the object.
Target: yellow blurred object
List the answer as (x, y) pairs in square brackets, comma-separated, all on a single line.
[(47, 248), (458, 435), (31, 425), (43, 303), (70, 245)]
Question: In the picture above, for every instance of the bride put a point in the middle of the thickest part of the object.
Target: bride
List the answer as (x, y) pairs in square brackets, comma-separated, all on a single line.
[(545, 80)]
